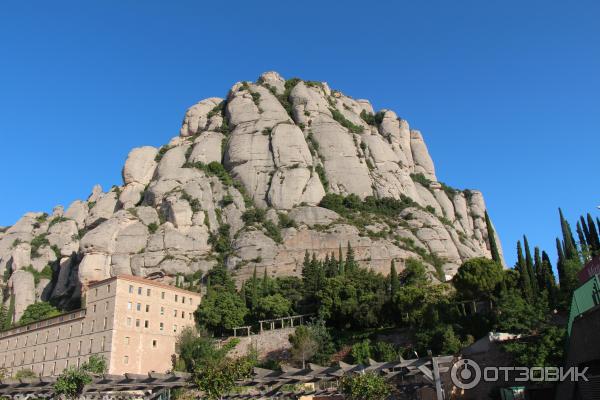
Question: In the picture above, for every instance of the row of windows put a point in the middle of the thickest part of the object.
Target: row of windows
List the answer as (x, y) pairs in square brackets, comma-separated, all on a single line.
[(51, 368), (162, 294), (45, 337), (138, 307), (45, 354), (43, 324)]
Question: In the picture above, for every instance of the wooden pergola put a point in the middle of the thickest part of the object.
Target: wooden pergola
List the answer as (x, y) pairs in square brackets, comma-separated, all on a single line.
[(407, 375)]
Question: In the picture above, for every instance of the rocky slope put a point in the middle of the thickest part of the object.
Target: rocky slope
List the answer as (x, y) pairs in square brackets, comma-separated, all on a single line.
[(273, 145)]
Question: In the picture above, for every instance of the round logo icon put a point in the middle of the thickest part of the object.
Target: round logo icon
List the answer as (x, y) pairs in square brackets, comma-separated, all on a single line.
[(465, 374)]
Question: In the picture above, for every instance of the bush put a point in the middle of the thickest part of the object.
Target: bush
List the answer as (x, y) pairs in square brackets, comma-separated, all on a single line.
[(285, 221), (37, 242), (38, 311), (254, 215), (152, 227), (339, 118), (420, 178), (322, 177), (364, 386), (370, 118), (273, 231)]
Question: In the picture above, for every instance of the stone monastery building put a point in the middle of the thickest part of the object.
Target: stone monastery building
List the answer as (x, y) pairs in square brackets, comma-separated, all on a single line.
[(132, 322)]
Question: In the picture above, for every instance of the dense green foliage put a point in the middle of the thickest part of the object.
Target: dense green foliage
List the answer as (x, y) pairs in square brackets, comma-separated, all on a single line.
[(72, 380), (365, 386), (213, 372), (37, 311)]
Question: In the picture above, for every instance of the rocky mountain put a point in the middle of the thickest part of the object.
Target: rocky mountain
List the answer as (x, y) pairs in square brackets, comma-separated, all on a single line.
[(242, 184)]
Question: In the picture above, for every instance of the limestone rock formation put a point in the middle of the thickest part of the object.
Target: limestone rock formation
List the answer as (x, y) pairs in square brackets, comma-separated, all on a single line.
[(277, 145)]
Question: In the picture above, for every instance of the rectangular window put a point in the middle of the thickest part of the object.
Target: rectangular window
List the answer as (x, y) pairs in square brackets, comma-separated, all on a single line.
[(146, 324), (129, 305), (130, 288), (176, 298), (68, 349), (70, 333), (91, 344), (93, 325), (106, 306), (102, 345), (147, 307), (154, 343), (140, 290), (162, 295), (45, 353), (175, 313), (125, 359), (174, 328), (137, 323), (162, 311), (94, 308), (138, 307), (78, 349), (162, 326), (96, 292), (105, 322), (108, 288), (126, 339), (148, 292), (183, 314), (128, 321), (55, 351), (33, 357), (183, 299)]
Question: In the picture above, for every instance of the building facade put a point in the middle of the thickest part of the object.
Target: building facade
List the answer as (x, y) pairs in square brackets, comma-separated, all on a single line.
[(132, 322)]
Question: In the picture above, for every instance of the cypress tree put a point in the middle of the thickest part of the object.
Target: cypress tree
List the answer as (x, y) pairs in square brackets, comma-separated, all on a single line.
[(492, 239), (529, 265), (582, 242), (586, 232), (570, 248), (394, 282), (351, 264), (560, 264), (331, 269), (254, 290), (341, 269), (539, 269), (265, 284), (595, 240), (524, 281), (550, 281)]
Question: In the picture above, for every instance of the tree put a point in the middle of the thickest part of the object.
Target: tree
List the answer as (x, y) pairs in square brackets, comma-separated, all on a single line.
[(543, 349), (569, 243), (361, 352), (221, 311), (304, 344), (585, 251), (414, 273), (72, 380), (37, 311), (351, 264), (273, 306), (478, 278), (364, 386), (492, 239), (524, 280), (394, 282), (594, 239), (529, 265)]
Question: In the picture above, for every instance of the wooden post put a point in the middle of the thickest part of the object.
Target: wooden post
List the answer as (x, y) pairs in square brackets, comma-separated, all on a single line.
[(436, 379), (261, 328)]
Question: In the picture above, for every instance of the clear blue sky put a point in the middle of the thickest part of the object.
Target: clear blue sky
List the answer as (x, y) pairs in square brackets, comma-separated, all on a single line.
[(507, 94)]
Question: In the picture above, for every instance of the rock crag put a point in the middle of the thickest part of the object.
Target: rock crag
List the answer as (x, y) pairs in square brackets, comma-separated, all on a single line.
[(242, 184)]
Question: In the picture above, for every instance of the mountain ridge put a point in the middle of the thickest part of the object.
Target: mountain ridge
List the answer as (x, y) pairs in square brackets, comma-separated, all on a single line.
[(277, 168)]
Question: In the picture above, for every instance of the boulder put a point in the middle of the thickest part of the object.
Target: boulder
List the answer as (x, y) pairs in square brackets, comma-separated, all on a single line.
[(312, 216), (22, 287), (140, 165)]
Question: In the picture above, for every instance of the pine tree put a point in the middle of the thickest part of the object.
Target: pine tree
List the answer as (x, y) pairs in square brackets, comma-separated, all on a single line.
[(524, 280), (492, 239), (331, 267), (529, 265), (394, 282), (569, 243)]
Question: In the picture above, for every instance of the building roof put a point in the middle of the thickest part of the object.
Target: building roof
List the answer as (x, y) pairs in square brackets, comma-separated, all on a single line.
[(138, 279)]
